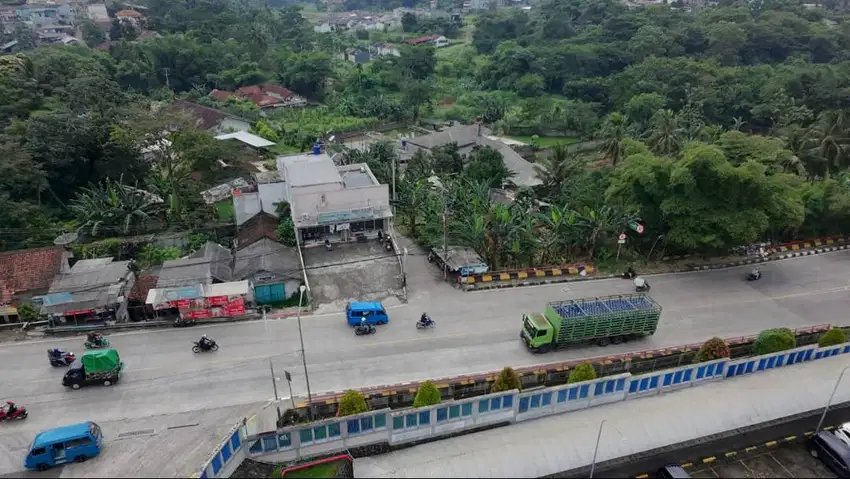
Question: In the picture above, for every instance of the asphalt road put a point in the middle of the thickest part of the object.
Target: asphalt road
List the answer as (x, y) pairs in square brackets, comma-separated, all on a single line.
[(476, 332), (737, 441)]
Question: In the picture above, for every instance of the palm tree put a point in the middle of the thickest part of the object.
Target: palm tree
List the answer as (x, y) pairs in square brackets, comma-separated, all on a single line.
[(738, 123), (614, 133), (665, 137), (830, 132), (113, 206), (555, 169), (804, 160)]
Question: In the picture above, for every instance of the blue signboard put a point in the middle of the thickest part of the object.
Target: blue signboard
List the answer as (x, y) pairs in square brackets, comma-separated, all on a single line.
[(186, 292), (53, 298), (345, 216)]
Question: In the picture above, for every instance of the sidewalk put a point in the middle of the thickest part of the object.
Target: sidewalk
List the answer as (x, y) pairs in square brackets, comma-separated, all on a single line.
[(561, 443)]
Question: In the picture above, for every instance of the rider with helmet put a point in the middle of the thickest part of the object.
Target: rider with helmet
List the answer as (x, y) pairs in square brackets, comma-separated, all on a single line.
[(425, 319)]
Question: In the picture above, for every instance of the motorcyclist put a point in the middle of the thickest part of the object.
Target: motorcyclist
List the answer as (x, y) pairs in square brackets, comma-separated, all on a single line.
[(56, 353), (424, 319), (640, 282), (630, 273), (755, 273), (205, 342), (95, 338), (11, 408)]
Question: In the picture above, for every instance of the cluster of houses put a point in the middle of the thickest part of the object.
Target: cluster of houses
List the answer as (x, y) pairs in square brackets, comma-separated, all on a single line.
[(58, 22)]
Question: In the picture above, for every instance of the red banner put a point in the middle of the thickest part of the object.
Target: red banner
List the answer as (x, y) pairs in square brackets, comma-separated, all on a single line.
[(181, 303), (199, 314), (234, 309), (217, 300), (76, 312)]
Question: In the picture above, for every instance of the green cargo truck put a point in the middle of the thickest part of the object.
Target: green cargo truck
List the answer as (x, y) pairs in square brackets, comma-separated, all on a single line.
[(604, 320), (99, 366)]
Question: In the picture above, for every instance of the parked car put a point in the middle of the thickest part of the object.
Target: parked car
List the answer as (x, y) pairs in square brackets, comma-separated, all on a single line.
[(843, 433), (832, 451), (672, 471)]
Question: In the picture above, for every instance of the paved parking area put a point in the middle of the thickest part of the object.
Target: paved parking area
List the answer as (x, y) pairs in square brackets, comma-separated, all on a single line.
[(787, 460)]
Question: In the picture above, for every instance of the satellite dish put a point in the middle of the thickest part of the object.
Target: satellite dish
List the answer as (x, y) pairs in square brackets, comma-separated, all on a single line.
[(66, 239)]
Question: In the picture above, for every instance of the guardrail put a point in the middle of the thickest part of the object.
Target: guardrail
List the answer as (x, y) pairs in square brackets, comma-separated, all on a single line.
[(395, 428), (22, 326)]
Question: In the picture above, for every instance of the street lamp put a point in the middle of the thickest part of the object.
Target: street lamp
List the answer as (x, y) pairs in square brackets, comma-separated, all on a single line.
[(596, 449), (302, 288), (831, 396)]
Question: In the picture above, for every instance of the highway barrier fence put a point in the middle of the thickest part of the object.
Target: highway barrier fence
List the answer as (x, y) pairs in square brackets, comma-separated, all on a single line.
[(386, 428)]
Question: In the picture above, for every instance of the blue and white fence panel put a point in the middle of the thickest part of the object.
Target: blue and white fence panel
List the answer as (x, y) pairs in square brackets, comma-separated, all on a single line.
[(411, 425), (227, 456)]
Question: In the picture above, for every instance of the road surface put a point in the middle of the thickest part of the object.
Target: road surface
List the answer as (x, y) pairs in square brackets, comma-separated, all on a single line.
[(476, 332)]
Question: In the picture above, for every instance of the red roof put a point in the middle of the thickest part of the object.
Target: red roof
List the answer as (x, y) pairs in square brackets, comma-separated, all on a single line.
[(258, 96), (422, 39), (28, 269), (128, 13), (221, 95), (277, 89)]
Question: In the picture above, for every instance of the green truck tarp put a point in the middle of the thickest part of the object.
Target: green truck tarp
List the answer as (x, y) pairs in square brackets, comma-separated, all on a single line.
[(100, 361)]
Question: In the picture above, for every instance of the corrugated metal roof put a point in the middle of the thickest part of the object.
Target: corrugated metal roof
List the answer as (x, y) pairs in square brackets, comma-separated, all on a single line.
[(210, 262), (247, 138), (266, 255), (90, 274)]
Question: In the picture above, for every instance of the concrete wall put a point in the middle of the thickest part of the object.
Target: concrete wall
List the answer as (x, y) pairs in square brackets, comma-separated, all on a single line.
[(377, 196)]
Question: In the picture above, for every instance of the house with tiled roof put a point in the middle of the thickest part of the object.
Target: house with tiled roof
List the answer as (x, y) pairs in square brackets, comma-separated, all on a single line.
[(264, 96), (211, 119), (432, 40), (130, 16)]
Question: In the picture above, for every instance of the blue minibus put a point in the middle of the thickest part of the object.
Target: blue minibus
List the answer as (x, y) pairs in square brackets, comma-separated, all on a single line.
[(373, 312), (64, 444)]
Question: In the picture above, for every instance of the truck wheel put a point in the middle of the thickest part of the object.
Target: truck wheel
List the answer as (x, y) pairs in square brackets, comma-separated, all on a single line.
[(81, 458), (543, 349), (75, 386), (42, 467), (618, 339), (107, 382), (604, 342)]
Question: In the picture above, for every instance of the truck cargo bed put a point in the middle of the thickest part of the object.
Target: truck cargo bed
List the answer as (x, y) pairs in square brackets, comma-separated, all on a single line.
[(615, 317)]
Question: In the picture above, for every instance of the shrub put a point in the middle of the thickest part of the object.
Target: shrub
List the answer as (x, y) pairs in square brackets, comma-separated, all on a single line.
[(427, 395), (507, 380), (582, 372), (27, 313), (714, 348), (774, 340), (286, 232), (352, 402), (832, 337)]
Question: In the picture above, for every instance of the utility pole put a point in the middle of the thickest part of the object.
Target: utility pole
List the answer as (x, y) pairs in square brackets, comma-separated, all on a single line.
[(167, 83), (445, 240), (304, 355), (395, 157)]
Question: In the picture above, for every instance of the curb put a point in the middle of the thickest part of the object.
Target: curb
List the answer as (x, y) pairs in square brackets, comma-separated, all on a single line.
[(687, 269), (737, 455)]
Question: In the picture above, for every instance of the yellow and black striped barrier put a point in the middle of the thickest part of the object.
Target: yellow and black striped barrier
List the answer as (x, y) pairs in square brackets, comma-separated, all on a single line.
[(741, 453), (527, 274)]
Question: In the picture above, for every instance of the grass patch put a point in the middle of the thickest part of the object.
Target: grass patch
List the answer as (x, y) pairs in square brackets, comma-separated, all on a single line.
[(326, 470), (546, 141), (225, 210)]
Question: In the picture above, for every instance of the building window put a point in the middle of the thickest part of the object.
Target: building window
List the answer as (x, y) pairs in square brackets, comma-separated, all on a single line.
[(314, 232)]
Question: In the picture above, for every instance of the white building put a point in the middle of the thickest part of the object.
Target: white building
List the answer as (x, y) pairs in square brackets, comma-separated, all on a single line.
[(334, 202)]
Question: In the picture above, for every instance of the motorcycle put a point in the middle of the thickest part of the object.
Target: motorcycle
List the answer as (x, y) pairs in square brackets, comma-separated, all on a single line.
[(11, 412), (184, 323), (363, 330), (642, 285), (197, 348), (428, 323), (754, 276), (629, 275), (103, 343), (64, 359)]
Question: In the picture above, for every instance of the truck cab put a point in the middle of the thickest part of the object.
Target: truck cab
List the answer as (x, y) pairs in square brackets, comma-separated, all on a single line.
[(537, 332)]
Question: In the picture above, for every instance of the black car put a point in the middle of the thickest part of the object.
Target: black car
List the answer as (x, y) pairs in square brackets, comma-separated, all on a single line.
[(833, 452)]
